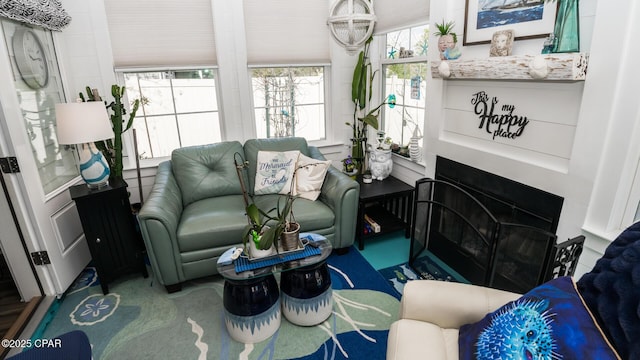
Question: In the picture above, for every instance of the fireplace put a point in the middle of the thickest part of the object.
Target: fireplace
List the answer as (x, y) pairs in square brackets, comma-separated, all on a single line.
[(491, 230)]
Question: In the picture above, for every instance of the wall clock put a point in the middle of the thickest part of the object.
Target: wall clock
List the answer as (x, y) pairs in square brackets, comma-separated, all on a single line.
[(31, 58)]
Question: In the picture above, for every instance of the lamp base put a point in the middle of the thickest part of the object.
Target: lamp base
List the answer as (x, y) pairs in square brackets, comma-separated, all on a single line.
[(97, 186), (93, 166)]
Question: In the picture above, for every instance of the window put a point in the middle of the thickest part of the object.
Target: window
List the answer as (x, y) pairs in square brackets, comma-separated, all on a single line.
[(289, 101), (405, 74), (178, 108)]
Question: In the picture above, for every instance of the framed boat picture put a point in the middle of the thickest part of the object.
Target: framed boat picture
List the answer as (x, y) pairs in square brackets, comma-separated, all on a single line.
[(528, 18)]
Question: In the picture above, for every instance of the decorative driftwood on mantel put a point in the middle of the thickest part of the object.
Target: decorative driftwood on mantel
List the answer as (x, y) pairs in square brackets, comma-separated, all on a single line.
[(546, 67)]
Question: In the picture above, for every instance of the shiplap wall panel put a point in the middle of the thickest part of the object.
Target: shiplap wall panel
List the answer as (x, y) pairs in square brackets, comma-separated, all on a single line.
[(451, 144), (547, 138), (546, 102), (538, 136)]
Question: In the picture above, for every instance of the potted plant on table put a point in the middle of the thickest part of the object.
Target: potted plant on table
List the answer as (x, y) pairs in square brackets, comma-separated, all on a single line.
[(363, 77), (349, 166), (363, 115), (265, 228), (258, 237)]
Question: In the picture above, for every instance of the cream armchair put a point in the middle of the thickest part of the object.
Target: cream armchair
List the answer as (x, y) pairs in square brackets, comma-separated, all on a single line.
[(431, 312)]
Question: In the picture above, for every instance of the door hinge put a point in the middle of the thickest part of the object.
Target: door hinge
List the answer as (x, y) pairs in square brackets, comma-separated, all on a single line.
[(9, 165), (40, 258)]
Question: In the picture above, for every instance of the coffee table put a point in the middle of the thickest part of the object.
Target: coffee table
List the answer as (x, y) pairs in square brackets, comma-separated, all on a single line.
[(253, 301)]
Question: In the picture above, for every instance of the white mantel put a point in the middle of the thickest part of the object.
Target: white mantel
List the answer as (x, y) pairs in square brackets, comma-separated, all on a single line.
[(548, 67)]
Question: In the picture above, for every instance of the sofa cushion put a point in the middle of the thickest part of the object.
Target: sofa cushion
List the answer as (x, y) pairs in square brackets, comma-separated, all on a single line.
[(311, 215), (212, 223), (206, 171), (274, 171), (252, 146), (414, 339), (309, 177), (548, 322)]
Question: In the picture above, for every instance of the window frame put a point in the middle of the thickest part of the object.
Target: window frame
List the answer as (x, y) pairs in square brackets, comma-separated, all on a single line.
[(384, 61), (326, 73), (384, 64), (127, 137)]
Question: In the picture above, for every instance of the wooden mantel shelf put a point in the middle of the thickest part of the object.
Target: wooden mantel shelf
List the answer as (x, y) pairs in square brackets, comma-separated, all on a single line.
[(546, 67)]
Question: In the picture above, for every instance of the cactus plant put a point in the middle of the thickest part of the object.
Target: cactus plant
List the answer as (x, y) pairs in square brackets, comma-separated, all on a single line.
[(112, 148)]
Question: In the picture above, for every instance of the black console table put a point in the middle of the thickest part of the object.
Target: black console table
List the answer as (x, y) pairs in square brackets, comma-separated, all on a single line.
[(109, 227), (388, 202)]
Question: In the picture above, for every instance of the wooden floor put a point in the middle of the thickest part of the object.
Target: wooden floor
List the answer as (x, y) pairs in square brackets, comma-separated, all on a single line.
[(14, 313)]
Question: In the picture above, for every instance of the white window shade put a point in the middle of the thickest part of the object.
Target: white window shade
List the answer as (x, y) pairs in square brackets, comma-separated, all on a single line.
[(286, 32), (396, 14), (161, 32)]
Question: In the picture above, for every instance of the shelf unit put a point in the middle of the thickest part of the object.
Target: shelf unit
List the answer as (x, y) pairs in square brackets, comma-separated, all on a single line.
[(388, 220), (389, 203), (545, 67)]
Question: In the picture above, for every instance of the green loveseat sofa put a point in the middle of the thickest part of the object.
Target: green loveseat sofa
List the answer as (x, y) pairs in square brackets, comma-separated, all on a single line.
[(195, 211)]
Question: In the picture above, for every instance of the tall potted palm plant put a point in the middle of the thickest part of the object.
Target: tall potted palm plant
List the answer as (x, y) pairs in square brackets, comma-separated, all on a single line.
[(361, 93)]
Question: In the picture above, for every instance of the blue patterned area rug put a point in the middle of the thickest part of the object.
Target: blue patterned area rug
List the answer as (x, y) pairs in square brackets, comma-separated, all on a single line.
[(138, 319), (426, 267)]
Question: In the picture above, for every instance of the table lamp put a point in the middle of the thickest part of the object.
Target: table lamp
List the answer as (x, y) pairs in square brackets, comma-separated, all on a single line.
[(81, 124)]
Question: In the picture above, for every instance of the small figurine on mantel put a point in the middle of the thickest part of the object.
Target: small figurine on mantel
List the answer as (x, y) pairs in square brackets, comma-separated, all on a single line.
[(501, 43), (447, 41)]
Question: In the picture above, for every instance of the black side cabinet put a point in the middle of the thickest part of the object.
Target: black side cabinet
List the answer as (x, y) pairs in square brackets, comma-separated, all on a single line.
[(110, 230)]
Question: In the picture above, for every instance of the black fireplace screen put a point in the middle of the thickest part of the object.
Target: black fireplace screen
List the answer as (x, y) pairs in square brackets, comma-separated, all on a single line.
[(488, 240)]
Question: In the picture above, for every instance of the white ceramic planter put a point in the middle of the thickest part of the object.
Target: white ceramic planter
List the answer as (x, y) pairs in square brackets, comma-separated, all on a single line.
[(256, 253), (380, 163)]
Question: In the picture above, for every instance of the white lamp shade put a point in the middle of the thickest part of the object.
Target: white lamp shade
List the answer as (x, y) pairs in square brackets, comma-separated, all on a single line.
[(82, 122)]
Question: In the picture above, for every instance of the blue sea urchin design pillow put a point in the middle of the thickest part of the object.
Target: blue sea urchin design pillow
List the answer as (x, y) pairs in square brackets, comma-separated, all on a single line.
[(549, 322), (521, 329)]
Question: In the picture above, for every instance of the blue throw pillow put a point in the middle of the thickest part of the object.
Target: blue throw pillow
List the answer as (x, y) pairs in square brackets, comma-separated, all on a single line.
[(548, 322)]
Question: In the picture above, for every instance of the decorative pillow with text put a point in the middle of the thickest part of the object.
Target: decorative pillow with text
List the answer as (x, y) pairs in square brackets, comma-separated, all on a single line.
[(274, 171), (310, 176)]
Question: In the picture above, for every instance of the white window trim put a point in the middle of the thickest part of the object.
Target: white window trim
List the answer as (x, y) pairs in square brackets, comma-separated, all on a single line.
[(381, 60), (413, 59), (328, 125), (129, 161)]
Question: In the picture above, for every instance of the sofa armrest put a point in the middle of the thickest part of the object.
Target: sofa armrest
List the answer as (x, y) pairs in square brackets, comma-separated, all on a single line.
[(448, 304), (340, 193), (159, 219)]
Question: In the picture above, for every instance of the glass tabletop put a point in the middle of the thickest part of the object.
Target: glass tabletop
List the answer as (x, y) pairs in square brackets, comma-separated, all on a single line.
[(228, 271)]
